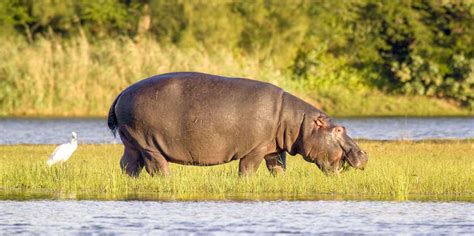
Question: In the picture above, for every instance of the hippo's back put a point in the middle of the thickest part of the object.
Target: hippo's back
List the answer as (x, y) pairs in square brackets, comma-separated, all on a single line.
[(199, 118)]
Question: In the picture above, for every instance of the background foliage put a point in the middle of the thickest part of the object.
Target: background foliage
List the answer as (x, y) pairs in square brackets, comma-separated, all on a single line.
[(422, 47)]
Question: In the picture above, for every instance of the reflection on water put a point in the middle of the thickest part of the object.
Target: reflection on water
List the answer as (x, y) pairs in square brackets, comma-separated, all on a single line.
[(22, 195), (55, 131), (223, 217)]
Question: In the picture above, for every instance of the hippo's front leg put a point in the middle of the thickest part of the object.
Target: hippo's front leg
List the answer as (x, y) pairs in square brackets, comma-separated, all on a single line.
[(249, 163), (276, 162)]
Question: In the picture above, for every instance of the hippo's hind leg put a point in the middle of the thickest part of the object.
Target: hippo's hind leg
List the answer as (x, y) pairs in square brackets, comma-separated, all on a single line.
[(276, 162), (132, 163), (155, 162)]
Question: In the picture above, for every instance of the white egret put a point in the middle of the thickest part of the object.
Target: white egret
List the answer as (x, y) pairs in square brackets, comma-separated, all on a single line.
[(63, 151)]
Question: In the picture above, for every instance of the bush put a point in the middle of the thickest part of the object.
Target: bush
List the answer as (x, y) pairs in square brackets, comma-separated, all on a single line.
[(403, 47)]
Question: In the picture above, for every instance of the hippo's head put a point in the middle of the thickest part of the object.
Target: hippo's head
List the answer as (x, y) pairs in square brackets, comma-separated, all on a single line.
[(330, 148)]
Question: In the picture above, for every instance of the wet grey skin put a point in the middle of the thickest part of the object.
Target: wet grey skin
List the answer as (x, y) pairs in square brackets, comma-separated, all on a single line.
[(201, 119)]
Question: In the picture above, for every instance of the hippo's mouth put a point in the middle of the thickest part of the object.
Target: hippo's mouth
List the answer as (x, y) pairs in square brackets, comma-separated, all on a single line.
[(345, 162)]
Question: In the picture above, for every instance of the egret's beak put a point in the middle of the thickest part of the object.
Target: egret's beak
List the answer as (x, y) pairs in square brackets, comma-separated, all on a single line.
[(74, 135)]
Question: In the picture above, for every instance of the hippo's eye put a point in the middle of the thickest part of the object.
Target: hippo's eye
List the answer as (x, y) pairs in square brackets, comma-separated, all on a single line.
[(339, 129)]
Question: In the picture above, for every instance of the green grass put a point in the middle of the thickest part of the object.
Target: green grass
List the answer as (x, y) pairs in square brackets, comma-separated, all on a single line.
[(397, 170), (78, 78)]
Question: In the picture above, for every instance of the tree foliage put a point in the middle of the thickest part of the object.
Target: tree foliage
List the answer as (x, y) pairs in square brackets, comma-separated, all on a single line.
[(422, 47)]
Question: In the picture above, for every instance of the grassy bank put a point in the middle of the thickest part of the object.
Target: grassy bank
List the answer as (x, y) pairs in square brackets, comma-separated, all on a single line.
[(53, 77), (396, 169)]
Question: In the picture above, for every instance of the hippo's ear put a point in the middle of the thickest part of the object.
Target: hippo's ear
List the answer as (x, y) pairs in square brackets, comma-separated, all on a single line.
[(321, 121)]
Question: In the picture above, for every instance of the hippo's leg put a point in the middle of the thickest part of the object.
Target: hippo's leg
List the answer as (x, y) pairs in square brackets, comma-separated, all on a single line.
[(276, 162), (155, 163), (249, 164), (131, 162)]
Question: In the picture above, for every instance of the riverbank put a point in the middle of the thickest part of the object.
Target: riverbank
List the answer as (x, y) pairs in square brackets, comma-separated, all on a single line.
[(398, 170), (77, 78)]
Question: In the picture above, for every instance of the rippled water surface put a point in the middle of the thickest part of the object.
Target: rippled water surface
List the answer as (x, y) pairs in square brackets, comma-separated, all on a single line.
[(145, 217), (54, 131)]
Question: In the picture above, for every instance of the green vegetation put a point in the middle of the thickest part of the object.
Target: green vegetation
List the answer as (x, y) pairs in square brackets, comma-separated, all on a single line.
[(352, 58), (398, 170), (77, 78)]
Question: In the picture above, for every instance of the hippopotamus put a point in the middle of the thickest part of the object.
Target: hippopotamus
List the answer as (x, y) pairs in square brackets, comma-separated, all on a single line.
[(200, 119)]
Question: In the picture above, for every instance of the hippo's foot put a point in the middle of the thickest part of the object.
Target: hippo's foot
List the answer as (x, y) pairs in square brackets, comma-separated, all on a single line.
[(250, 163), (155, 163), (131, 163), (276, 163), (276, 170)]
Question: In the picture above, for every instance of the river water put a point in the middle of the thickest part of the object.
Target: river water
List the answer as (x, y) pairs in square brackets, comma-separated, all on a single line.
[(55, 131), (224, 217)]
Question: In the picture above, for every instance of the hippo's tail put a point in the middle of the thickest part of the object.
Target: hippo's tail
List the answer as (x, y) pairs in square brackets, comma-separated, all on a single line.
[(112, 119)]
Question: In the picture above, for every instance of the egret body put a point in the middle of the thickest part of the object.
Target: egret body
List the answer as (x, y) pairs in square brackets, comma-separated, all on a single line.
[(63, 152)]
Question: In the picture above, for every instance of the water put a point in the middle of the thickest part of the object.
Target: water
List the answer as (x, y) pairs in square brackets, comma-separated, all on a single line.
[(217, 217), (55, 131), (410, 128)]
